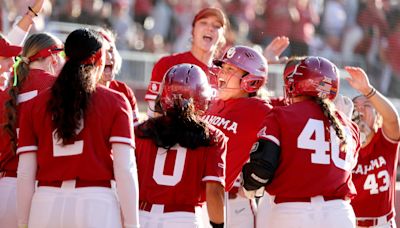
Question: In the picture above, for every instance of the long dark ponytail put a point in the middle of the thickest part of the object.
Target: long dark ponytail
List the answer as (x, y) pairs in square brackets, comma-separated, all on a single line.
[(73, 88)]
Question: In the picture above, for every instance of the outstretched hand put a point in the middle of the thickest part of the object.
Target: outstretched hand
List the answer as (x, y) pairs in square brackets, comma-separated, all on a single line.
[(38, 5), (275, 49), (358, 80)]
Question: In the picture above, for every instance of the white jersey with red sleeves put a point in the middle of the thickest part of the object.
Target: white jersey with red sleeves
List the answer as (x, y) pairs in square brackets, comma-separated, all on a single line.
[(240, 119), (163, 65), (35, 83), (375, 177), (311, 160), (179, 175), (89, 157)]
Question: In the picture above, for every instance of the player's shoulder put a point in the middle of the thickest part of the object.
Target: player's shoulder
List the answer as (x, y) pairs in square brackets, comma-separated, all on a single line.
[(37, 80), (255, 104), (107, 94), (173, 58), (120, 86)]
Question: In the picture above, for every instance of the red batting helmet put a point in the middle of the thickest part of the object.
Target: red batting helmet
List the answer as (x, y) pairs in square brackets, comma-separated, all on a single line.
[(183, 84), (250, 61), (312, 76)]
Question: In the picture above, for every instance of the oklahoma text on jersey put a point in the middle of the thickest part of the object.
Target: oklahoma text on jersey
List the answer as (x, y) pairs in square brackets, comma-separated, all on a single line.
[(219, 121), (374, 164)]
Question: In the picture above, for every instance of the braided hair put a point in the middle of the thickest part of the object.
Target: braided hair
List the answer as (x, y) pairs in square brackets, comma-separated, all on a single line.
[(329, 111), (32, 46)]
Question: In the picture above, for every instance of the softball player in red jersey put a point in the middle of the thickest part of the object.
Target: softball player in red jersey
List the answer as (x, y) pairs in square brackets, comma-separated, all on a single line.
[(8, 211), (343, 104), (208, 31), (181, 159), (74, 158), (209, 26), (375, 173), (112, 68), (41, 59), (306, 152), (243, 71)]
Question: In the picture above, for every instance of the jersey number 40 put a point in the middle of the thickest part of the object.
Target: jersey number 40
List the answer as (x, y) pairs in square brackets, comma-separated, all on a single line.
[(320, 146)]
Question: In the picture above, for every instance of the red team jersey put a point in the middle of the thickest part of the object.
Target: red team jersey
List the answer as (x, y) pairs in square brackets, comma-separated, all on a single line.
[(35, 83), (161, 67), (89, 157), (241, 129), (375, 177), (127, 91), (311, 162), (179, 175)]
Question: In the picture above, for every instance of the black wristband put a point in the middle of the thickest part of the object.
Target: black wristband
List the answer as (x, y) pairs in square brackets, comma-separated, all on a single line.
[(215, 225), (371, 93), (30, 9)]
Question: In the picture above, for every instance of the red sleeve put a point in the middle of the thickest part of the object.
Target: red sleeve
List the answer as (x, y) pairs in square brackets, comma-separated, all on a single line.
[(271, 129), (128, 92), (157, 76), (27, 141), (216, 160), (120, 131)]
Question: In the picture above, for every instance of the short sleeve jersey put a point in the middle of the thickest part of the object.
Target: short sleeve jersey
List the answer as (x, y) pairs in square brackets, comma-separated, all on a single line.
[(240, 119), (179, 175), (107, 120), (311, 160), (35, 83), (127, 91), (163, 65), (375, 177)]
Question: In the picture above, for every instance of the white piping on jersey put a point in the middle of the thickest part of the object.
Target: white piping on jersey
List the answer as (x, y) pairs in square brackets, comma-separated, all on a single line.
[(26, 96), (273, 139), (117, 139), (388, 139), (26, 149), (150, 97), (214, 178)]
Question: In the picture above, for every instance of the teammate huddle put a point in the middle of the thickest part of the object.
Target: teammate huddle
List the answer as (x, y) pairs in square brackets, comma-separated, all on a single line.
[(68, 135)]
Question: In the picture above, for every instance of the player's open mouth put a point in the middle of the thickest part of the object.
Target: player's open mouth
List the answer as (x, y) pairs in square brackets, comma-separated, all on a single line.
[(108, 67), (207, 38)]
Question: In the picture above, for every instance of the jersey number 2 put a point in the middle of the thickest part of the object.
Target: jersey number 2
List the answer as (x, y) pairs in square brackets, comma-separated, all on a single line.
[(318, 144), (70, 149), (158, 173)]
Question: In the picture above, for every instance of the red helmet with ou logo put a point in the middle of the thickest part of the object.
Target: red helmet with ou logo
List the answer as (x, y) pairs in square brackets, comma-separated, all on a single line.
[(252, 62), (183, 84), (312, 76)]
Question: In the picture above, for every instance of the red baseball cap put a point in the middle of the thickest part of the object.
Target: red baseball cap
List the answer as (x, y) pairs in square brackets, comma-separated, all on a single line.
[(211, 11), (8, 50)]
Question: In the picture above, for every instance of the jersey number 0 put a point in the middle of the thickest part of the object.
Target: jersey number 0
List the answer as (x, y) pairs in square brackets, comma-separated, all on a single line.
[(158, 173)]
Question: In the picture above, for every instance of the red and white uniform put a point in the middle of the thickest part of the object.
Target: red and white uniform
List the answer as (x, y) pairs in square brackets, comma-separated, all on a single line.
[(241, 128), (240, 120), (161, 67), (35, 83), (127, 91), (64, 172), (89, 157), (375, 181), (173, 181), (314, 173)]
